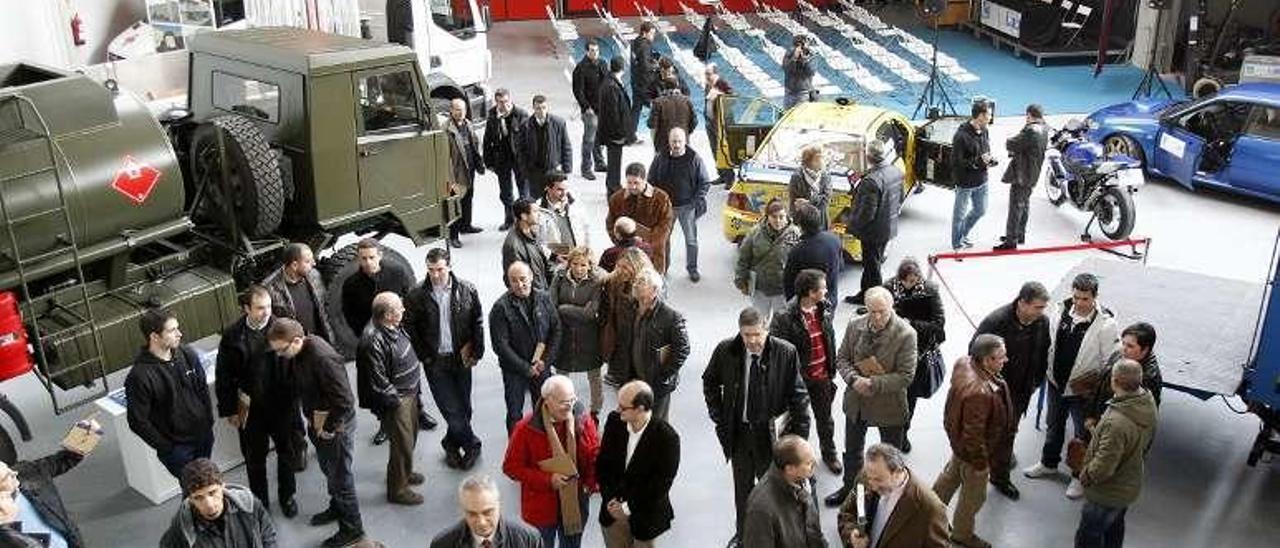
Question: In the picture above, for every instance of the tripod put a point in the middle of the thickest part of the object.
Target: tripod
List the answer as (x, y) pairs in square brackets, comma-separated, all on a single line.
[(934, 95), (1147, 87)]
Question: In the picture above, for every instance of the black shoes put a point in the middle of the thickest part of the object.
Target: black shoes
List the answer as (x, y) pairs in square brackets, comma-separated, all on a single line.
[(426, 421), (380, 438), (588, 175), (329, 515), (470, 230), (834, 465), (1007, 489), (858, 299), (344, 537), (694, 276), (837, 498), (1006, 246), (454, 242), (289, 508)]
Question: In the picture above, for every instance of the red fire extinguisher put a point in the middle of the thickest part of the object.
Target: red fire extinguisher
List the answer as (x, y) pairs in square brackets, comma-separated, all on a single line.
[(77, 32)]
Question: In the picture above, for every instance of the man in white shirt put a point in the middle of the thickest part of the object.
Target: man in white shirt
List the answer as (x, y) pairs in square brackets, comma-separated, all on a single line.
[(639, 457), (483, 525)]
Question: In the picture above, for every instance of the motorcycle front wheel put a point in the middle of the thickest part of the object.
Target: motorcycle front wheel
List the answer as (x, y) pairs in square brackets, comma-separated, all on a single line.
[(1056, 188), (1115, 212)]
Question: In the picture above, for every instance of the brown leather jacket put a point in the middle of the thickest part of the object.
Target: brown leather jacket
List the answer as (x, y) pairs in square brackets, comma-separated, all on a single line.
[(978, 416), (653, 216)]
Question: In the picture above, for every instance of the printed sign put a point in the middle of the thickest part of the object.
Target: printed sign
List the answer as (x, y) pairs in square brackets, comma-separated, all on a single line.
[(1172, 145), (135, 180)]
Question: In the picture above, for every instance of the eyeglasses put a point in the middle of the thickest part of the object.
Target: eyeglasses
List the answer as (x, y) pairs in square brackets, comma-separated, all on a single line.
[(625, 407)]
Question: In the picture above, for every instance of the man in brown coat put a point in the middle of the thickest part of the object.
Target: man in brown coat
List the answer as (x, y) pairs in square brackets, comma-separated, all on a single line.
[(899, 510), (670, 109), (649, 207), (978, 421)]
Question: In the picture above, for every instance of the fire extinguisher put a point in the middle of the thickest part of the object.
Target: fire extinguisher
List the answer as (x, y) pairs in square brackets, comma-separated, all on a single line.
[(77, 32)]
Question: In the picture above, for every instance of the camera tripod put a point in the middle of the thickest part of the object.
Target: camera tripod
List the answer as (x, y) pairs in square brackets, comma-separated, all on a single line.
[(934, 95), (1147, 87)]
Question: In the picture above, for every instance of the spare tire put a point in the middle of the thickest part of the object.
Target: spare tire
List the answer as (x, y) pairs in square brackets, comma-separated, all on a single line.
[(1205, 86), (254, 188), (335, 270)]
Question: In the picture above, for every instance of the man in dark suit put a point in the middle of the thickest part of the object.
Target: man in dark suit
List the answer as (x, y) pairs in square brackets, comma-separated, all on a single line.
[(544, 147), (901, 511), (616, 125), (752, 380), (500, 128), (483, 525), (644, 70), (639, 457), (874, 220), (818, 248)]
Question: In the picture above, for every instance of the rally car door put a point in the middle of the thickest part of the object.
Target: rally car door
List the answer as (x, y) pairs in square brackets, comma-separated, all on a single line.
[(742, 123)]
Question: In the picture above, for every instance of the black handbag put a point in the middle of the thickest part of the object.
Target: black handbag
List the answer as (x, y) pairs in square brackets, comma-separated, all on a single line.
[(930, 373)]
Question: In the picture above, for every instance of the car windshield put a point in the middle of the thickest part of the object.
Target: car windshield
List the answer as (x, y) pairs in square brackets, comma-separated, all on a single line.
[(844, 153), (454, 16)]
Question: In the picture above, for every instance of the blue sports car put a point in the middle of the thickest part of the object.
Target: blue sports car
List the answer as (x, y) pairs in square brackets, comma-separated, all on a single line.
[(1230, 140)]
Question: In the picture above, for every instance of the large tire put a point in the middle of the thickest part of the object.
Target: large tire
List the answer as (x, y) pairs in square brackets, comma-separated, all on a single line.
[(1116, 213), (255, 184), (1123, 144), (1056, 189), (335, 270)]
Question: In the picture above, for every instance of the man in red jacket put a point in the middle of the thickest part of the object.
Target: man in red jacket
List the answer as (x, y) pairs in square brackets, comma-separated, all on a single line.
[(557, 474)]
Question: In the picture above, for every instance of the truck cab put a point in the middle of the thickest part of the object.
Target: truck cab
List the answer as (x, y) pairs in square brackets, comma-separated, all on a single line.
[(450, 38)]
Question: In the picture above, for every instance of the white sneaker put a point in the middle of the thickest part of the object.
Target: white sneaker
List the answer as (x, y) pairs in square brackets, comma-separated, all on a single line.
[(1075, 490), (1040, 471)]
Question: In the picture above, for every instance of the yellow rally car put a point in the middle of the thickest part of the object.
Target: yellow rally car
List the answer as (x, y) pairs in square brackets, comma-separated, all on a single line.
[(764, 144)]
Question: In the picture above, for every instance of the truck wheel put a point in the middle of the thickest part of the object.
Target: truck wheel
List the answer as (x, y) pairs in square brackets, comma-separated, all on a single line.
[(335, 270), (255, 186)]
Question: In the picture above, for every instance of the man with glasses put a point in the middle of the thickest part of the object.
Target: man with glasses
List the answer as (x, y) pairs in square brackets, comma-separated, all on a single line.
[(37, 503), (639, 457), (552, 455)]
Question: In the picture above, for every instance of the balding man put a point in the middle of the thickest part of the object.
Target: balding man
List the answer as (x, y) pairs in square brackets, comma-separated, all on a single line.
[(482, 524), (388, 377), (639, 457), (552, 455), (877, 360), (782, 510), (1114, 464), (678, 170), (874, 220), (525, 331), (624, 232), (464, 153), (898, 511)]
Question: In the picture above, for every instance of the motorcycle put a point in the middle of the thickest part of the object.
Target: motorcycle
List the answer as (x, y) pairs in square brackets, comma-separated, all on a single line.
[(1081, 173)]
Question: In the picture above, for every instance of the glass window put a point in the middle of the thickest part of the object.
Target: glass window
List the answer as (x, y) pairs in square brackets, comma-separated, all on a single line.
[(252, 98), (749, 111), (1217, 120), (454, 16), (1264, 123), (844, 153), (388, 101)]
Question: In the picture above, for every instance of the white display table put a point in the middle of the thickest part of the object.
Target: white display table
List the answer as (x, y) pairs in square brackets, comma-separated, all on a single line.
[(142, 469)]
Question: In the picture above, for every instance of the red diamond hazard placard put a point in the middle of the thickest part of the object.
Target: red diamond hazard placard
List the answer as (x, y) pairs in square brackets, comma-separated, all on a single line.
[(135, 180)]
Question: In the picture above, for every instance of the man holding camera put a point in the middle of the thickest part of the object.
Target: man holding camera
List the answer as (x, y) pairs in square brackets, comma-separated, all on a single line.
[(970, 159), (798, 74)]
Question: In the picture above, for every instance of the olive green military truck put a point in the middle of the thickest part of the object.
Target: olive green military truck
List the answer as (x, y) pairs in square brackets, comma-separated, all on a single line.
[(107, 209)]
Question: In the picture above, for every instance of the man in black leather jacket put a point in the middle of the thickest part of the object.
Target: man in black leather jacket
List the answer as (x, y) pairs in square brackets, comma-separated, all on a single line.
[(525, 329), (388, 379), (659, 341)]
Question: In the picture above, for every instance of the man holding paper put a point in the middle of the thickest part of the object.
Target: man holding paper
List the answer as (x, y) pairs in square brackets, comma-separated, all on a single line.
[(877, 360), (659, 342), (525, 329), (445, 323), (29, 484), (891, 507), (552, 455)]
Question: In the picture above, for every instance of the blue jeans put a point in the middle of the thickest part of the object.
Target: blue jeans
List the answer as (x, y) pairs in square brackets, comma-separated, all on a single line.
[(592, 156), (182, 453), (514, 387), (1060, 407), (451, 387), (792, 99), (963, 217), (510, 182), (335, 456), (1100, 526), (688, 219), (549, 534)]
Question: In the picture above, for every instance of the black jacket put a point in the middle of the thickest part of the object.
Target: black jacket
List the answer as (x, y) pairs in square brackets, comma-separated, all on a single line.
[(876, 203), (320, 375), (684, 179), (821, 251), (499, 150), (789, 326), (168, 402), (1026, 153), (247, 364), (1027, 347), (515, 335), (36, 478), (722, 387), (518, 247), (646, 483), (386, 368), (557, 156), (967, 148), (664, 333), (246, 524), (588, 76), (644, 69), (511, 533), (466, 320), (282, 300), (922, 308), (614, 113), (360, 289)]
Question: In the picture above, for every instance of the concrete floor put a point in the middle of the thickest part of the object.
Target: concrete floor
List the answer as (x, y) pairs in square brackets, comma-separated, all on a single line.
[(1198, 491)]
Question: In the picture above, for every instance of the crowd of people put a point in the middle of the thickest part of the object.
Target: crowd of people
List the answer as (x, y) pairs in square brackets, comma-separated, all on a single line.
[(573, 310)]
